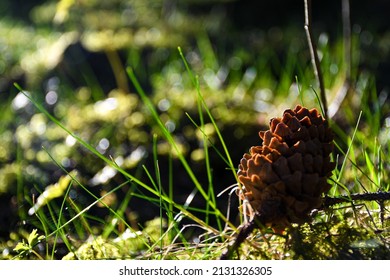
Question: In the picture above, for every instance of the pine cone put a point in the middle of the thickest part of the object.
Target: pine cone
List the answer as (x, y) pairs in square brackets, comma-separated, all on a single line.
[(284, 179)]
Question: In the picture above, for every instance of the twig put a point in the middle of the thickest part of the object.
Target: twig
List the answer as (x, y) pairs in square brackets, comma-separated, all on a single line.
[(377, 196), (345, 89), (314, 56), (243, 234), (345, 9)]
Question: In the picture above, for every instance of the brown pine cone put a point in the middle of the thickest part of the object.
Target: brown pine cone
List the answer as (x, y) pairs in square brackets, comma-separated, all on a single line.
[(284, 179)]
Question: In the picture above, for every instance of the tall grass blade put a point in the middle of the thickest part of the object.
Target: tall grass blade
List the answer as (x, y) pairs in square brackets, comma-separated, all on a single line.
[(168, 136)]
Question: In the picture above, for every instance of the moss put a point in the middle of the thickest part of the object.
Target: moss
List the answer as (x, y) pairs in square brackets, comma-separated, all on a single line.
[(327, 240), (129, 244), (8, 176), (96, 249)]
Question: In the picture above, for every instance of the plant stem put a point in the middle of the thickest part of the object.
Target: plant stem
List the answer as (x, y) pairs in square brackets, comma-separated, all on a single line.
[(346, 88), (314, 56), (37, 255), (345, 9), (118, 70)]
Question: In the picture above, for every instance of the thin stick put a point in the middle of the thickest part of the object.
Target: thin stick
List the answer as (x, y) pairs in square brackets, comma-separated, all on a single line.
[(345, 9), (314, 56), (243, 234), (345, 89), (377, 196)]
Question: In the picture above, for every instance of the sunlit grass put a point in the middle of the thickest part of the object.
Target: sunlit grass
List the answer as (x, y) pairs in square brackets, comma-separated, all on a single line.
[(185, 231), (164, 201)]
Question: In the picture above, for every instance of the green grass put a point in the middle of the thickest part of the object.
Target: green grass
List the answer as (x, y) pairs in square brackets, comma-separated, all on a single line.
[(183, 230), (165, 201), (361, 169)]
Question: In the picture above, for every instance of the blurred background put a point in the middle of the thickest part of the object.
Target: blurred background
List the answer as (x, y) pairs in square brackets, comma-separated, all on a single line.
[(251, 57)]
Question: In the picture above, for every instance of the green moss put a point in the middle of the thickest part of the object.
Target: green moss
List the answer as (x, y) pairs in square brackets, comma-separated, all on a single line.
[(129, 244), (8, 177), (341, 240), (96, 249)]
